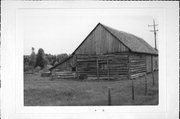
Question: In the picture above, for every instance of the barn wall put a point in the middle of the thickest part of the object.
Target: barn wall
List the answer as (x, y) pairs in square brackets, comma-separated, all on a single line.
[(137, 64), (151, 63), (155, 62), (118, 65), (103, 66), (100, 42), (148, 64)]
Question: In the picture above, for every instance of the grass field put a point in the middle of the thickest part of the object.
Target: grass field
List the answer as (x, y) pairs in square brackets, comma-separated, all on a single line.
[(40, 91)]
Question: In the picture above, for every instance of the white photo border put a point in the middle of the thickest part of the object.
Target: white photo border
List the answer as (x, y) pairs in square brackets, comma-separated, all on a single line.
[(12, 68)]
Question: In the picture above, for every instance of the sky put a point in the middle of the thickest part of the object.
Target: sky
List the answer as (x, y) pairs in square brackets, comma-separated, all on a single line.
[(62, 33)]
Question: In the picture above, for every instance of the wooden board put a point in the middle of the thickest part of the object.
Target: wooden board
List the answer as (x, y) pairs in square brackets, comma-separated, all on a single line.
[(100, 42), (117, 65), (137, 64)]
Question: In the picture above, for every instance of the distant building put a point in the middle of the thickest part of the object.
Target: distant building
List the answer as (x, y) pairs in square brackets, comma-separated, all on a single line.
[(107, 52)]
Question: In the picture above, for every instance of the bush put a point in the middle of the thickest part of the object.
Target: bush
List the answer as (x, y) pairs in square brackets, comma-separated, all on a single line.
[(28, 68), (40, 59)]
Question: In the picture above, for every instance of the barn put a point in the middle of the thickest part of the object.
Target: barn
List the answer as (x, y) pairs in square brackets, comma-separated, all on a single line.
[(110, 53)]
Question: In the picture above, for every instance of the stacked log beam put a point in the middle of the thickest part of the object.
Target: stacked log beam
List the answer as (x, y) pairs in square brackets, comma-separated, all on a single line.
[(109, 65), (137, 65)]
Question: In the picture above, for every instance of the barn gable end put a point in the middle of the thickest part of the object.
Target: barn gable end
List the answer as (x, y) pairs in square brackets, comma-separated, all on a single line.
[(107, 52), (100, 41)]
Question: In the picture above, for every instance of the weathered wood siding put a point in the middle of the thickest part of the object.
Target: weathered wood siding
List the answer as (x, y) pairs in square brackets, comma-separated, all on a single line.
[(102, 55), (148, 64), (151, 63), (100, 41), (103, 66), (155, 63), (137, 64)]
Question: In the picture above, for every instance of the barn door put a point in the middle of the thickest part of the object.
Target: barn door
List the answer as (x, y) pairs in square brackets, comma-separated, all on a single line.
[(102, 66)]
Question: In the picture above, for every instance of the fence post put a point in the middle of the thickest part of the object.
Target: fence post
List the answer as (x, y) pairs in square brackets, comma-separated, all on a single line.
[(108, 67), (132, 88), (145, 84), (109, 96)]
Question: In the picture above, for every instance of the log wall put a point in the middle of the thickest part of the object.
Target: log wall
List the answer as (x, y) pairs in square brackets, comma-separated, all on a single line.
[(113, 65), (155, 63), (148, 64), (137, 65), (110, 65)]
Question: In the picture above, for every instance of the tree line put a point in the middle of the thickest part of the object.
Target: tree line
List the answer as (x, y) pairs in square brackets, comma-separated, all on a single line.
[(41, 59)]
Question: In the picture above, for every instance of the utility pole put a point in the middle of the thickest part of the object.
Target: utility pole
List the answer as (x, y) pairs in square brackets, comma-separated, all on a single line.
[(155, 31)]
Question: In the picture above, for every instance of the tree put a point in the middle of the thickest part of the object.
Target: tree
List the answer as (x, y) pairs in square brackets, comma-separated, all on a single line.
[(54, 60), (61, 57), (32, 58), (40, 59), (46, 60)]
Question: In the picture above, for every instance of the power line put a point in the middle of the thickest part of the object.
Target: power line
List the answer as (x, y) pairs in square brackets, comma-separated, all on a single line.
[(155, 31)]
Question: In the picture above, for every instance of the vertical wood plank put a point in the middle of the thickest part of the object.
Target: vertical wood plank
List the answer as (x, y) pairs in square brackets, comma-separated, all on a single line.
[(146, 84), (153, 78), (100, 41), (109, 96), (97, 68), (108, 67), (132, 89), (145, 75), (151, 63), (152, 70), (128, 64), (129, 76), (76, 66)]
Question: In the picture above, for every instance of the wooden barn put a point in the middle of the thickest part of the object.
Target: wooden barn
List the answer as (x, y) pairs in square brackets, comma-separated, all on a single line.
[(109, 53)]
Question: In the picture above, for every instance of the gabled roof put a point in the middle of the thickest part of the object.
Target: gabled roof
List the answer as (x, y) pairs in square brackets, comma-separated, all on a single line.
[(64, 60), (134, 43)]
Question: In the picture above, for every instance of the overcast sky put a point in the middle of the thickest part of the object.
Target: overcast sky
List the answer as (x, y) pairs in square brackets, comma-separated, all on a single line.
[(62, 33)]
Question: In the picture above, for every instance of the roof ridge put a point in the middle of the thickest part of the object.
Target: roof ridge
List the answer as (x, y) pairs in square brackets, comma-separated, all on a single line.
[(120, 31), (128, 37)]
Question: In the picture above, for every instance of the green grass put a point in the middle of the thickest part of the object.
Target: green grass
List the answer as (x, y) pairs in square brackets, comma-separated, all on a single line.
[(40, 91)]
